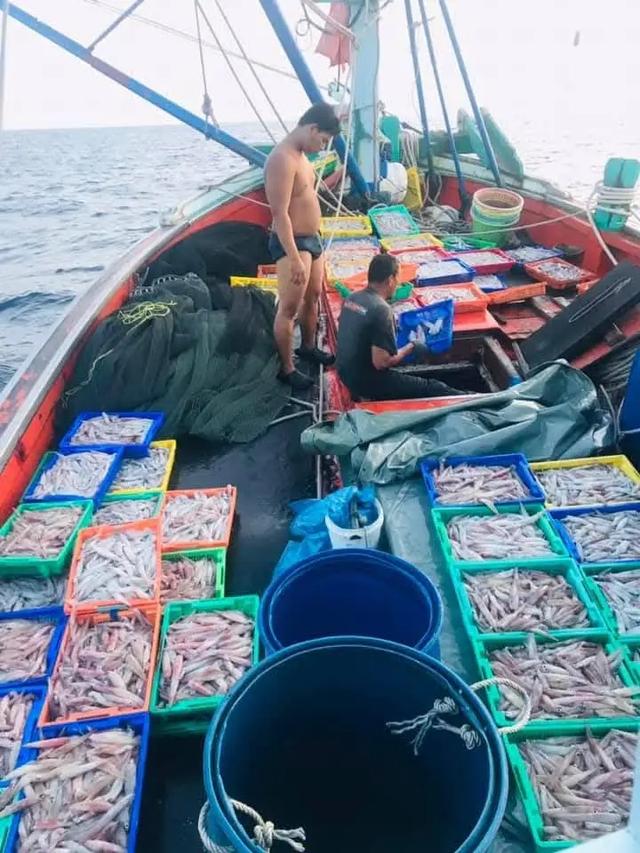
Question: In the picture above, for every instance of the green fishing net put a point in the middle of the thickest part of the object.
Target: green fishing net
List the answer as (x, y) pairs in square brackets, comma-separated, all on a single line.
[(203, 354)]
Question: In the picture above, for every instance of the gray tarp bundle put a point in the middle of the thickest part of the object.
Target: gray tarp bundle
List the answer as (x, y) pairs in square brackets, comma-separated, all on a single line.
[(556, 413)]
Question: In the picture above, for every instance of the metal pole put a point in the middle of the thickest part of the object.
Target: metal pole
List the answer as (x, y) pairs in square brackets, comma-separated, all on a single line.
[(464, 195), (257, 158), (4, 6), (418, 77), (116, 23), (297, 60), (488, 147)]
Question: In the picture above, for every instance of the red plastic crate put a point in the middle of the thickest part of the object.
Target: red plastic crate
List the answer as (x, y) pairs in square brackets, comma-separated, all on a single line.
[(517, 293), (544, 271)]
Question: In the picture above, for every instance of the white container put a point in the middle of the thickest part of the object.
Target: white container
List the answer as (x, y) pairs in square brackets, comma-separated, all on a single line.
[(359, 537)]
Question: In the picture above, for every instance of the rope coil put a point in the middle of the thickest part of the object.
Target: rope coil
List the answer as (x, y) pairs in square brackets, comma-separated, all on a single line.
[(264, 832)]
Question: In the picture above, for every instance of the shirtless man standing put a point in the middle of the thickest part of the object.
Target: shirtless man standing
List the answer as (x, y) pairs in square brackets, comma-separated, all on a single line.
[(295, 243)]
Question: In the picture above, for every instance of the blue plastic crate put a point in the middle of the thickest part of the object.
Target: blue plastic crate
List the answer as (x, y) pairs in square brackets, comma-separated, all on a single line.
[(49, 614), (507, 460), (489, 283), (557, 516), (444, 271), (530, 254), (410, 322), (38, 692), (140, 724), (156, 418), (49, 459)]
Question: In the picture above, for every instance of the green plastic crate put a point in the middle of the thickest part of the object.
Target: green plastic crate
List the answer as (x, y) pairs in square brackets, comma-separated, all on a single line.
[(441, 516), (136, 496), (218, 555), (191, 712), (566, 568), (600, 598), (525, 786), (25, 566), (562, 726), (629, 647)]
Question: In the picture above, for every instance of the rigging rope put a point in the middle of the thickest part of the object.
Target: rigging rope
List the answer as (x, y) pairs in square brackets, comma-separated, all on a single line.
[(174, 31), (234, 72), (4, 6), (207, 106), (253, 70)]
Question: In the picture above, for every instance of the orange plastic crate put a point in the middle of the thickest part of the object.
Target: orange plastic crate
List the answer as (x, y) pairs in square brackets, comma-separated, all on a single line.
[(70, 603), (517, 293), (475, 299), (215, 543), (152, 614)]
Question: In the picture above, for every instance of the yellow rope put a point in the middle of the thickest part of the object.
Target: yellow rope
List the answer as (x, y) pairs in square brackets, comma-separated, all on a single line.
[(143, 311)]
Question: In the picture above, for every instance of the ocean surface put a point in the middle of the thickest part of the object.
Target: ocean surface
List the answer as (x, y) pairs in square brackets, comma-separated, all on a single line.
[(71, 201)]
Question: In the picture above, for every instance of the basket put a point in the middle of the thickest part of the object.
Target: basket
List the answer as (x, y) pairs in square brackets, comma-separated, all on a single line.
[(602, 602), (423, 240), (44, 614), (619, 461), (441, 517), (137, 496), (27, 566), (507, 460), (197, 545), (466, 298), (202, 707), (557, 273), (71, 604), (443, 271), (566, 568), (517, 293), (559, 725), (269, 284), (50, 726), (527, 791), (412, 326), (25, 753), (128, 449), (139, 723), (345, 226), (558, 516), (406, 224), (219, 557), (170, 445), (49, 460), (486, 261)]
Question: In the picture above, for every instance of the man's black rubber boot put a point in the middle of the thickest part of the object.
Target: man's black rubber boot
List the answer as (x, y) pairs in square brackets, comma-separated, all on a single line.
[(316, 356), (298, 381)]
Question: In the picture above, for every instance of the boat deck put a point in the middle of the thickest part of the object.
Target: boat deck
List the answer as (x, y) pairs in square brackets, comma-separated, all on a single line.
[(268, 473)]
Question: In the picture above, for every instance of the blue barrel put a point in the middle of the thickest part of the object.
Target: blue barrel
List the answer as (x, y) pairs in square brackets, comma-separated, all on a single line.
[(351, 592), (303, 739)]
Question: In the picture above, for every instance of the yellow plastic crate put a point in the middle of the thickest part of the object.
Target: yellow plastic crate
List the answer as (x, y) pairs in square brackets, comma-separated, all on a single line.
[(171, 445), (619, 461), (269, 284), (346, 226), (410, 241)]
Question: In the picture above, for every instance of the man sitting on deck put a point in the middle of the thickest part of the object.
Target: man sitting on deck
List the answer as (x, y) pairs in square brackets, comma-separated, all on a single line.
[(295, 243), (367, 351)]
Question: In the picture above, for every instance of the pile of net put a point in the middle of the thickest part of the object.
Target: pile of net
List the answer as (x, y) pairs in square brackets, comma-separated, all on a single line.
[(198, 350)]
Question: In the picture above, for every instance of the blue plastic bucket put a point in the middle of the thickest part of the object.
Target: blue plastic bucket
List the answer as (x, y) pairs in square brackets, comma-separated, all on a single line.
[(351, 592), (303, 740)]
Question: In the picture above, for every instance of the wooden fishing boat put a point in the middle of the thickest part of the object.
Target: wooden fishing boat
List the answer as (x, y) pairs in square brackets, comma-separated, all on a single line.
[(173, 791)]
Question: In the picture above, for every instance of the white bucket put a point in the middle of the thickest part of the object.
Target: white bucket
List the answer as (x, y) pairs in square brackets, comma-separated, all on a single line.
[(359, 537)]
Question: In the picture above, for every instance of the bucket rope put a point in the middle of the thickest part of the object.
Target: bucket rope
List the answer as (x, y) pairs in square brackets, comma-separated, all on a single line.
[(433, 719), (264, 832), (525, 713)]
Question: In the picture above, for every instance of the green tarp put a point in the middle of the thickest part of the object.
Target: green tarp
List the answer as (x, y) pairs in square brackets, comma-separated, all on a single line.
[(557, 413)]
